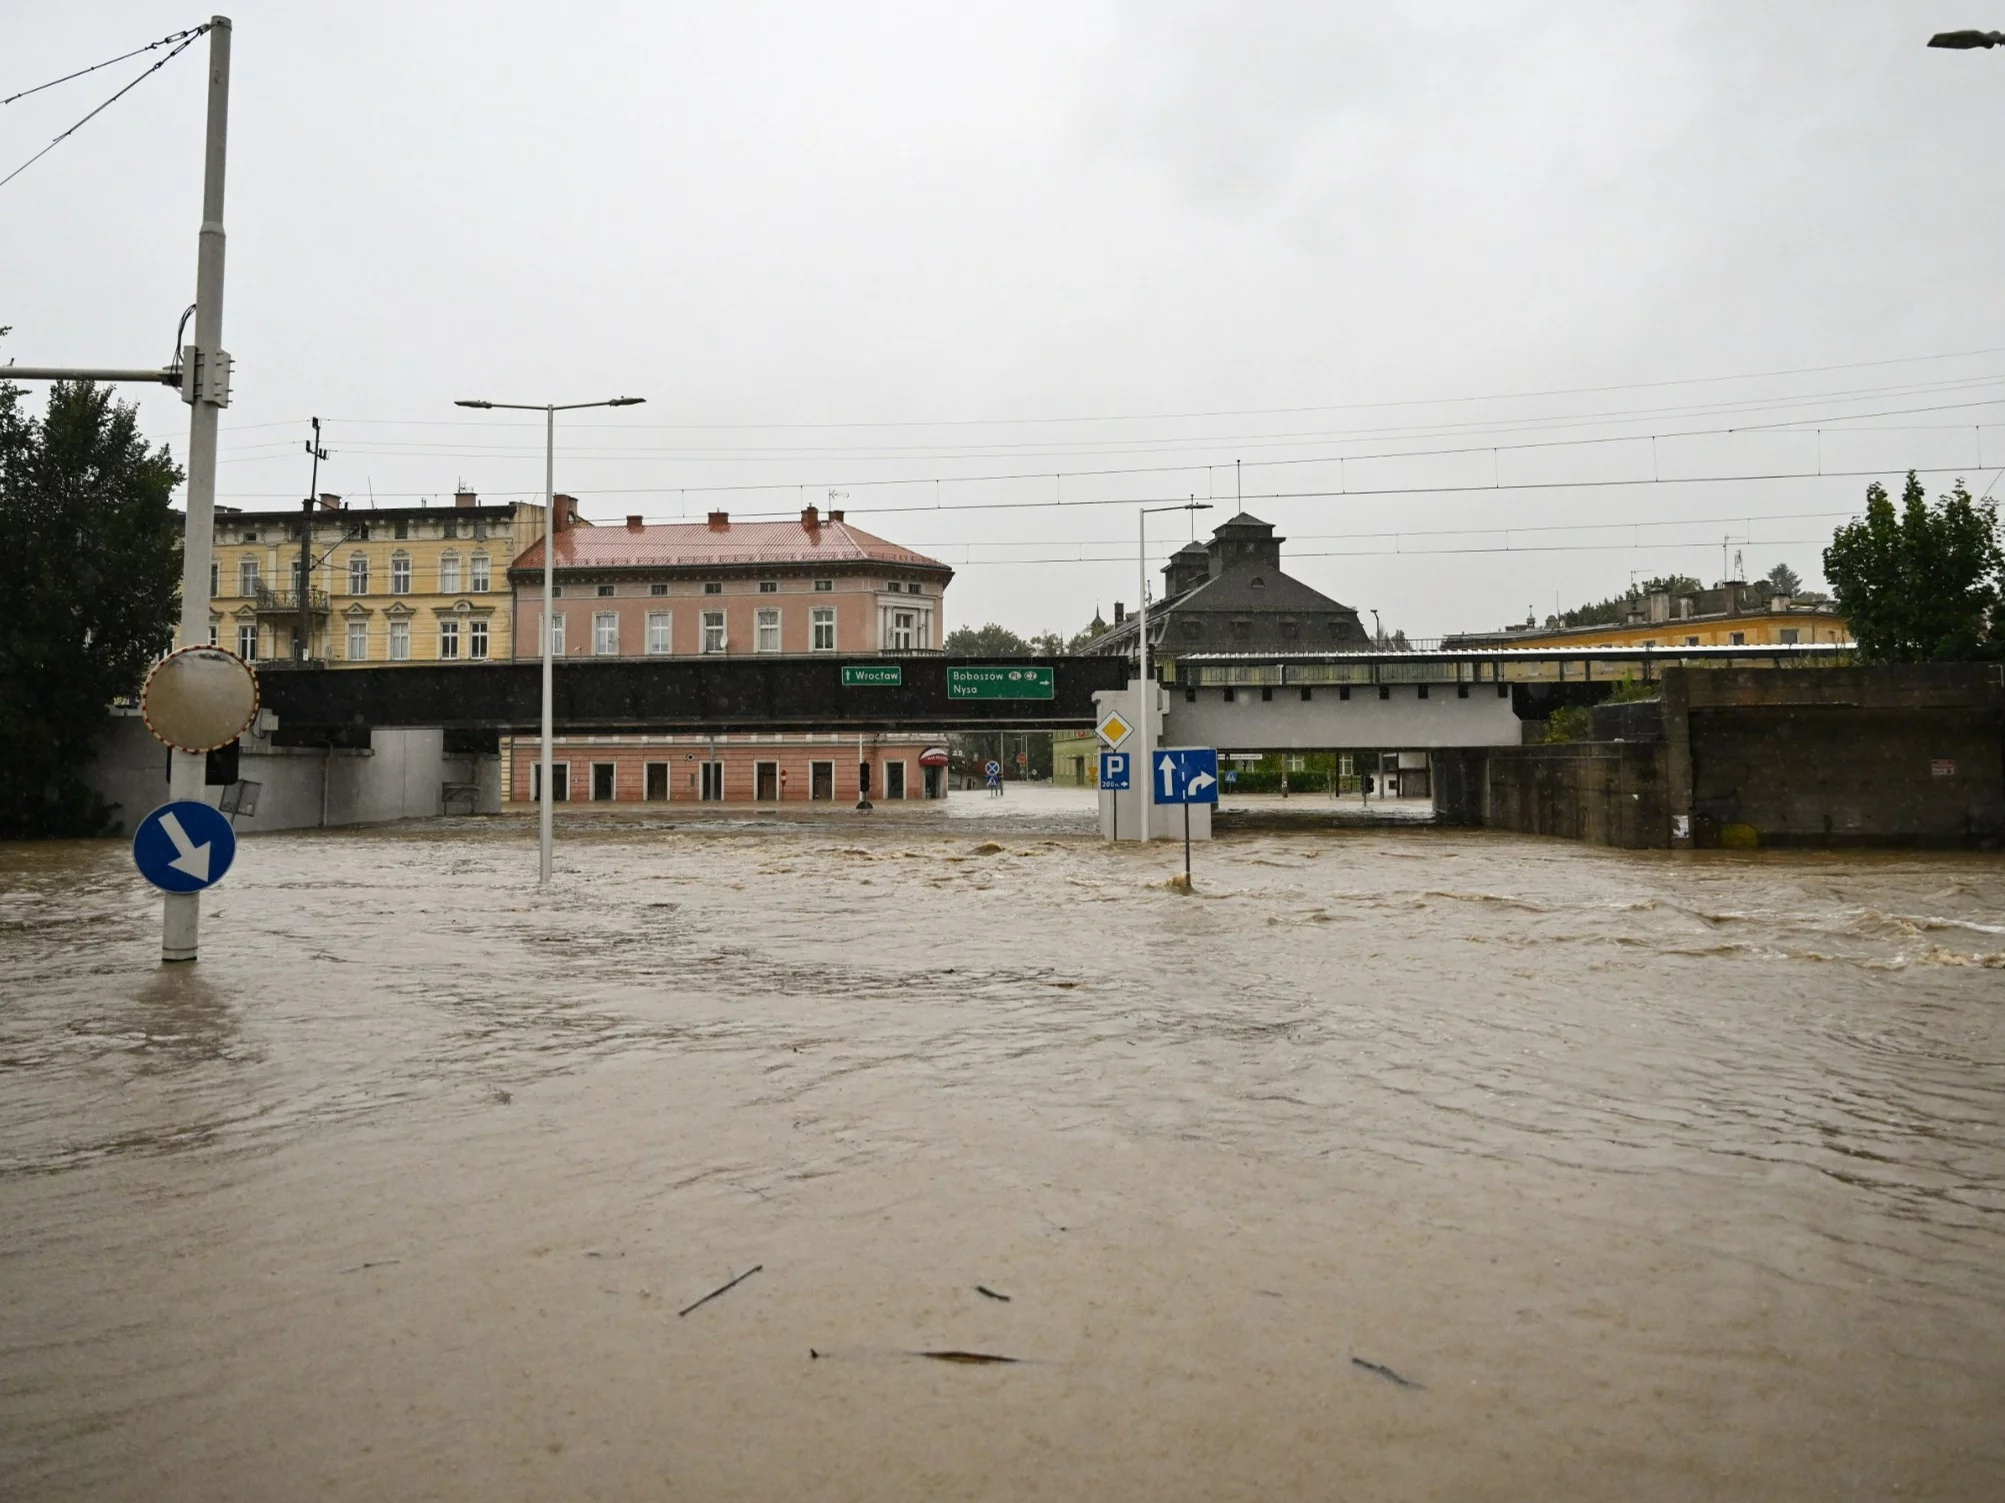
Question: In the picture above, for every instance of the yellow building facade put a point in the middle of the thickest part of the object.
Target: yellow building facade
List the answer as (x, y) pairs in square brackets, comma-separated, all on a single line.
[(387, 585), (1728, 615)]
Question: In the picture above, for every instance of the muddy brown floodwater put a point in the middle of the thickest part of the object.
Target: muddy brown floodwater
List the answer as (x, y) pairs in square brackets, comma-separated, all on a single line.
[(1394, 1164)]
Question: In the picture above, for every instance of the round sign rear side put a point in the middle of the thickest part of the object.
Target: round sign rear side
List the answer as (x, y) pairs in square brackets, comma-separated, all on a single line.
[(199, 698), (184, 846)]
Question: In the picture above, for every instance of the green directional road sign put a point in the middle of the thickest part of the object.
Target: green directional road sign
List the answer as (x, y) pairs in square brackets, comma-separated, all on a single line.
[(1000, 682), (872, 675)]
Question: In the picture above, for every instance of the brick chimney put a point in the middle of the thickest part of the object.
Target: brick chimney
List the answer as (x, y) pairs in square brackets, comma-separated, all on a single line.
[(811, 517), (465, 497), (720, 521), (835, 514), (634, 524), (329, 503), (567, 513), (1120, 613)]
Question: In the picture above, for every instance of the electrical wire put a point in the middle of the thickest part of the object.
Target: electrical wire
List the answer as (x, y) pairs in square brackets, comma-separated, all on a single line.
[(171, 37), (187, 40)]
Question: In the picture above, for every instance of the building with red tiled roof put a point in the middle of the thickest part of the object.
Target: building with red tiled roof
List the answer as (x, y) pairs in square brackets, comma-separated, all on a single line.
[(677, 589), (813, 586)]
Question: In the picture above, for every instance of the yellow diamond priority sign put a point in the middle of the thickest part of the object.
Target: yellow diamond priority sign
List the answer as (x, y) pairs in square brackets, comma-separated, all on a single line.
[(1114, 729)]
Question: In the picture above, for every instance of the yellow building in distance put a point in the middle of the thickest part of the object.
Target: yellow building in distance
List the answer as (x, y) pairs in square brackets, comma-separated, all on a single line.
[(1728, 615), (416, 584)]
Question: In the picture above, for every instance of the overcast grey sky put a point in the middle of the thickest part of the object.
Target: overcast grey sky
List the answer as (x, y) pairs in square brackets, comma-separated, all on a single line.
[(841, 245)]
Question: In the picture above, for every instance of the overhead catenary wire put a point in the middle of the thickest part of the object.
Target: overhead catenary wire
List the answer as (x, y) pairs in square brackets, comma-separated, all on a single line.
[(1172, 443), (185, 40)]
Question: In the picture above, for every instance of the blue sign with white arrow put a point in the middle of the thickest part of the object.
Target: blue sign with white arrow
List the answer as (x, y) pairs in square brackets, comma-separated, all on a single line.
[(1114, 770), (184, 846), (1186, 775)]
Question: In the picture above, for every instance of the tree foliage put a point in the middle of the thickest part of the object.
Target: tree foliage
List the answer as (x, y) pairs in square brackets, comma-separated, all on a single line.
[(1615, 610), (987, 641), (1783, 580), (90, 568), (1922, 584)]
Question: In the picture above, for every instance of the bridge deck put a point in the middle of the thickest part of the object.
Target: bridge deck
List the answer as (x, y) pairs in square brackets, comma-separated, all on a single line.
[(722, 695)]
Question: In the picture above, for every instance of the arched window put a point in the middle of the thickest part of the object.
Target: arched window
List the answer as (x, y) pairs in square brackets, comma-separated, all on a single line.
[(477, 568), (358, 574), (247, 575), (449, 574), (400, 573)]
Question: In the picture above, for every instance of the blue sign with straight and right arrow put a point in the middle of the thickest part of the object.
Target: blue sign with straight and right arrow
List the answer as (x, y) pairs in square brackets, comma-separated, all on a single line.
[(184, 846), (1185, 775)]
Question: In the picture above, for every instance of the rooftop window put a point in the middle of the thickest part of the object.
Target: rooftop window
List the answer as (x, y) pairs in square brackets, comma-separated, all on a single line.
[(713, 587)]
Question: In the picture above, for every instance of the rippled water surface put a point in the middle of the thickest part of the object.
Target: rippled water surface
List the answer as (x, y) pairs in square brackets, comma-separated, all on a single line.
[(1646, 1176)]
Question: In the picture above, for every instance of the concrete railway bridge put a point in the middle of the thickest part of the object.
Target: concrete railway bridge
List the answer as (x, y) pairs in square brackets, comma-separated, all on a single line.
[(1263, 702), (353, 745)]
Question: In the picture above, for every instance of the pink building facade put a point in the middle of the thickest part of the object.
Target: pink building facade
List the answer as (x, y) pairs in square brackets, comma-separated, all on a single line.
[(808, 588), (773, 769)]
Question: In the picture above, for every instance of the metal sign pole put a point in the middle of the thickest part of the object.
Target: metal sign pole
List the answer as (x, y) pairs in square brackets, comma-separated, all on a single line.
[(182, 916)]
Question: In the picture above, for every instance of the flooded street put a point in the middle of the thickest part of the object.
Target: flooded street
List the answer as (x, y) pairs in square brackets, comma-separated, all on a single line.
[(1392, 1164)]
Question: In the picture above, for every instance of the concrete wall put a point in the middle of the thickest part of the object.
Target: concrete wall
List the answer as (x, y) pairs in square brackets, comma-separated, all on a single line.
[(1893, 755), (1287, 722), (398, 777), (1899, 755), (1608, 793)]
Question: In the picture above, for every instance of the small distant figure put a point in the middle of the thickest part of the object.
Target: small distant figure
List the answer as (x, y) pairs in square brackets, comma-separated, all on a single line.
[(1365, 786)]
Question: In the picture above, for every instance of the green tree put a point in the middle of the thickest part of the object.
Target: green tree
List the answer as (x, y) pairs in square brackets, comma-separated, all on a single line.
[(990, 641), (90, 568), (1782, 580), (1921, 585)]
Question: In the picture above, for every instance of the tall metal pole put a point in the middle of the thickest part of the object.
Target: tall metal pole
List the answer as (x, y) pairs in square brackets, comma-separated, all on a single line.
[(1147, 727), (181, 923), (549, 631), (302, 644)]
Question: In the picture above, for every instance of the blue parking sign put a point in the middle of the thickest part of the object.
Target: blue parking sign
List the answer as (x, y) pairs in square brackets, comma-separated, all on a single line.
[(1114, 770), (1185, 775)]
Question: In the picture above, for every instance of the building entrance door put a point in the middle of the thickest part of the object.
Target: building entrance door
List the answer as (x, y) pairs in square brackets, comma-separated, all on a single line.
[(560, 782), (894, 780), (713, 782), (767, 786), (821, 780), (932, 782), (602, 781), (657, 782)]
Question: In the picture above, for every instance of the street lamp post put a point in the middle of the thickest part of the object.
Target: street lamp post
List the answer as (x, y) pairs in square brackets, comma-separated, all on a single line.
[(549, 411), (1147, 708)]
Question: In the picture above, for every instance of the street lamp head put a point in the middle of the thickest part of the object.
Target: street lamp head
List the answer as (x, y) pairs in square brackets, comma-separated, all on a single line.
[(472, 403), (1963, 40), (626, 401)]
